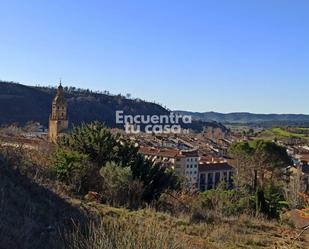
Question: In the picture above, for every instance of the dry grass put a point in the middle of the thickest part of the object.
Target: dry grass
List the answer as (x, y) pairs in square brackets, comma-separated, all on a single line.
[(150, 229), (124, 234)]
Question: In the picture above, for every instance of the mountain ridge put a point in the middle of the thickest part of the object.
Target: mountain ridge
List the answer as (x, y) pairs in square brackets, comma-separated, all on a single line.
[(249, 118)]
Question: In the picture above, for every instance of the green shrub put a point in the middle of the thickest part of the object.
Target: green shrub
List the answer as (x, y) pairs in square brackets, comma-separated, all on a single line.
[(155, 178), (74, 169), (67, 163), (100, 145), (270, 200), (119, 188), (226, 202)]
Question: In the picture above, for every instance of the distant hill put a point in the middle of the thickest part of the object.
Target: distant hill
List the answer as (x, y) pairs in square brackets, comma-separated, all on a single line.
[(20, 104), (250, 118)]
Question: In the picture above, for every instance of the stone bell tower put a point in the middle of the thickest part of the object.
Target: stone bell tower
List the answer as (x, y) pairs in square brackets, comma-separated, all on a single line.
[(58, 119)]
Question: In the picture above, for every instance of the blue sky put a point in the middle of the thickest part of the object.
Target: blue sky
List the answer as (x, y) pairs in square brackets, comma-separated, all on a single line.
[(206, 55)]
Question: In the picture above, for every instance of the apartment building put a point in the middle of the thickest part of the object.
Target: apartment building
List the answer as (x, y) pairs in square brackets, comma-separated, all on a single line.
[(185, 163), (190, 167), (212, 173)]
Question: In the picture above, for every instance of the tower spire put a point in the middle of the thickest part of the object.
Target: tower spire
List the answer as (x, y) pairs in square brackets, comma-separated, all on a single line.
[(58, 121)]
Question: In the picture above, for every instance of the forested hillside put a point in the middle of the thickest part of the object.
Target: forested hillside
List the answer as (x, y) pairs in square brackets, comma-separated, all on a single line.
[(21, 104)]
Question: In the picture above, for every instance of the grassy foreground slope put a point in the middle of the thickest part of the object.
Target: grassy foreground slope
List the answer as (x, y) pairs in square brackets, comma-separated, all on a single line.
[(39, 212), (151, 229)]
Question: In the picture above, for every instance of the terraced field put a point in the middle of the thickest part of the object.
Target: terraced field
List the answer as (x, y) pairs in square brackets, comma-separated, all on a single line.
[(279, 133)]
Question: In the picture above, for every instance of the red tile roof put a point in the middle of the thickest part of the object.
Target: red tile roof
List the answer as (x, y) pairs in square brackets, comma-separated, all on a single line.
[(211, 159), (191, 153), (163, 152), (304, 157), (214, 166)]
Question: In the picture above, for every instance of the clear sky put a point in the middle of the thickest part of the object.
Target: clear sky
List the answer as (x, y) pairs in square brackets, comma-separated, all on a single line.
[(206, 55)]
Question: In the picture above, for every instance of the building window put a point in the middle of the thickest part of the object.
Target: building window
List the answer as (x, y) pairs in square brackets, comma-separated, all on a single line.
[(209, 181), (231, 176), (202, 179), (225, 176), (217, 178)]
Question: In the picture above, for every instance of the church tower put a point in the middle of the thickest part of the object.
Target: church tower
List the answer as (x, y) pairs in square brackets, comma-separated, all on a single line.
[(58, 119)]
